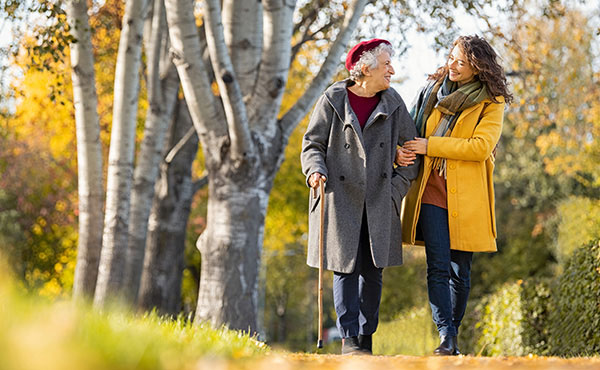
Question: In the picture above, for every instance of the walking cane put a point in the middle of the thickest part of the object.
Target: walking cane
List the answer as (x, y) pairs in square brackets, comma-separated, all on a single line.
[(321, 232)]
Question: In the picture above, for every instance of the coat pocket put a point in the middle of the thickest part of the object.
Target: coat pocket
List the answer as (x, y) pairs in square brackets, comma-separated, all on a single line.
[(313, 202)]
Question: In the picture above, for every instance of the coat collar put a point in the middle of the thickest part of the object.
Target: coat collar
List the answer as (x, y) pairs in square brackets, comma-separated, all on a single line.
[(337, 95)]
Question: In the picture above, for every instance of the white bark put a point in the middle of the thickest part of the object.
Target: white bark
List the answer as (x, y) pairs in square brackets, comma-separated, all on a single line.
[(89, 151), (293, 116), (121, 153), (242, 22), (162, 96), (187, 56), (229, 88), (274, 67), (231, 249)]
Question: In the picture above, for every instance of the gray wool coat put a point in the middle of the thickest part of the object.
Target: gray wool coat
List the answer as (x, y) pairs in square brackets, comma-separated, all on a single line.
[(360, 172)]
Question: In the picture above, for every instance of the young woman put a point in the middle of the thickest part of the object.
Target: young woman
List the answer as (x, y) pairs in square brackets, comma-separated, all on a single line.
[(450, 207)]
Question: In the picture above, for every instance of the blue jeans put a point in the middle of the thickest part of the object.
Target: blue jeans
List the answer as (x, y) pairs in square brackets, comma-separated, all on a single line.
[(448, 271), (357, 295)]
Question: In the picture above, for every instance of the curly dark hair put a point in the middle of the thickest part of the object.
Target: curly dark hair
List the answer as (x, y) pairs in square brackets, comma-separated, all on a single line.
[(483, 59)]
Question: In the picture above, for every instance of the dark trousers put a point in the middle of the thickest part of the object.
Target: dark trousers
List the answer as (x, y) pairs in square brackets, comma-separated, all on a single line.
[(357, 295), (448, 271)]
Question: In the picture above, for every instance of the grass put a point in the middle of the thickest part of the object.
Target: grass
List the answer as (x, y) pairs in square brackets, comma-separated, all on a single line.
[(37, 334), (412, 332)]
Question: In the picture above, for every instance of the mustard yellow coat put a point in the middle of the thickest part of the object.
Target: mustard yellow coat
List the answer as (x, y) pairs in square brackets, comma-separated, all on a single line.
[(469, 182)]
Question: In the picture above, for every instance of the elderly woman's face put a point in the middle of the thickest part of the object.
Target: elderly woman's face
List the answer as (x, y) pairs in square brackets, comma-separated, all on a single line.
[(381, 76)]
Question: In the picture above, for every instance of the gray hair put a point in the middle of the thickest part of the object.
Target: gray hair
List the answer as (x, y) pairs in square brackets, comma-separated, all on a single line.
[(369, 59)]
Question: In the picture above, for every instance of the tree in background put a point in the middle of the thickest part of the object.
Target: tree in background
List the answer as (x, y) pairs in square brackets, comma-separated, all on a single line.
[(89, 150), (549, 145), (38, 182)]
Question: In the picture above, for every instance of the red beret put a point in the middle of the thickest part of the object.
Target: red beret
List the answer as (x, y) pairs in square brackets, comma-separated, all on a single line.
[(355, 53)]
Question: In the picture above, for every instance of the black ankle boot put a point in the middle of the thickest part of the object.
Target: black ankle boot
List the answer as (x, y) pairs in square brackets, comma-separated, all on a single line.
[(446, 347), (366, 343)]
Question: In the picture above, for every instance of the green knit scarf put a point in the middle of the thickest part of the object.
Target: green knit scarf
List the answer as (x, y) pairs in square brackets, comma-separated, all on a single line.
[(450, 100)]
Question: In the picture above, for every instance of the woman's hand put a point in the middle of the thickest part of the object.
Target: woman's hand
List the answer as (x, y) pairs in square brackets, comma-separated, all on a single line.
[(405, 157), (418, 145)]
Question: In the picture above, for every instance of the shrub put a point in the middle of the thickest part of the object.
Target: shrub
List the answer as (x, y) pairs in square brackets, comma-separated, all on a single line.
[(559, 317), (510, 322), (501, 325), (575, 319), (578, 225), (469, 334)]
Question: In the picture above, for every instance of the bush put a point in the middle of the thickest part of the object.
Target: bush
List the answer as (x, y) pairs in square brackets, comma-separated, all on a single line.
[(575, 319), (559, 317), (469, 334), (510, 322), (501, 332), (578, 225)]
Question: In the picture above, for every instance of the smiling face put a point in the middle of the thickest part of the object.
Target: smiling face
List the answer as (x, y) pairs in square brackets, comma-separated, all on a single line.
[(459, 69), (380, 78)]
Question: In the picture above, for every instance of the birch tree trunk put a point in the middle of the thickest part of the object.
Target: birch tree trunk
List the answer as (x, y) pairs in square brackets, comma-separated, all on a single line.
[(244, 147), (89, 151), (164, 263), (163, 85), (121, 153)]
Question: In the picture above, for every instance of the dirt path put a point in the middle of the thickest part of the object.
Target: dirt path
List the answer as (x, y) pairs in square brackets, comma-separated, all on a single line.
[(278, 361)]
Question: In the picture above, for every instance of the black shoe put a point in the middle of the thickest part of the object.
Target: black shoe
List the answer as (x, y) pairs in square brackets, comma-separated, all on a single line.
[(350, 346), (365, 342), (446, 347)]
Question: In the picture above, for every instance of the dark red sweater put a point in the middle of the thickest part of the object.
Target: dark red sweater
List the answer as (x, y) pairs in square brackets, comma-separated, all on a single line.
[(362, 107)]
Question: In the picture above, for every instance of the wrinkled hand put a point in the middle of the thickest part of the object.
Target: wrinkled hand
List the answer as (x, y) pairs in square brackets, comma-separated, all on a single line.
[(418, 145), (405, 157), (313, 180)]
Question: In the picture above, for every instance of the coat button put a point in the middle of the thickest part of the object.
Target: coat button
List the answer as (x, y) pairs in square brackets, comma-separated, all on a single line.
[(452, 166), (453, 190), (454, 214), (384, 175), (342, 178), (346, 145), (381, 145)]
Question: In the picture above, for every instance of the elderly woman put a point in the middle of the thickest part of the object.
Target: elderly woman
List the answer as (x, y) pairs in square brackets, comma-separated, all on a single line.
[(351, 142), (450, 207)]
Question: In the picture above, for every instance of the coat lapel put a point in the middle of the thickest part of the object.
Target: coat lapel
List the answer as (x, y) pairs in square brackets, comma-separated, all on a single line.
[(468, 111)]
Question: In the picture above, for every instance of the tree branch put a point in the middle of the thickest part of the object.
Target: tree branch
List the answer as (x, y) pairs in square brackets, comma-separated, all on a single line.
[(235, 109), (242, 22), (293, 116), (199, 184), (177, 147), (310, 14), (275, 63), (309, 36), (187, 56)]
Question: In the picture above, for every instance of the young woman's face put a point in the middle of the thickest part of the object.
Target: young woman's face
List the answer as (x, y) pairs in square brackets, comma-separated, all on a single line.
[(459, 69)]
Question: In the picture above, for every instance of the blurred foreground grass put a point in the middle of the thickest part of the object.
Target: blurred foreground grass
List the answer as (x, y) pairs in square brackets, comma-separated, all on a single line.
[(37, 334)]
